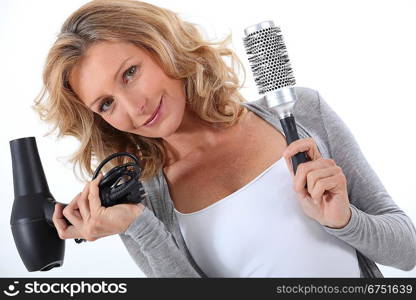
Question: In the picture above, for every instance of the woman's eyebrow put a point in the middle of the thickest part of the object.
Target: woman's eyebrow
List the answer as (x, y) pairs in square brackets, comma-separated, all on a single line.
[(115, 78)]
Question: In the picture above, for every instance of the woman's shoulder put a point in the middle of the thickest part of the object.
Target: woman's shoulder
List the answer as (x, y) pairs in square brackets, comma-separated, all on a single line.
[(307, 113), (306, 110), (307, 101)]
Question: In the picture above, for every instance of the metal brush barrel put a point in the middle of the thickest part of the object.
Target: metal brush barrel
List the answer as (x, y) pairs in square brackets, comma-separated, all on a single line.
[(268, 57), (271, 67)]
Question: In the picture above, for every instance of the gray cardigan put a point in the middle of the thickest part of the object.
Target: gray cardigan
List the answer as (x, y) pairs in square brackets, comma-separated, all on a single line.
[(378, 229)]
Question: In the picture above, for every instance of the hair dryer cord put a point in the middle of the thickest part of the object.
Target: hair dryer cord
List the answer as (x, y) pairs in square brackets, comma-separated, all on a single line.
[(111, 191)]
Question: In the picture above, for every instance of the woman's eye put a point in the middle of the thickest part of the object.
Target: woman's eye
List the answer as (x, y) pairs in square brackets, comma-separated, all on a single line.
[(102, 104), (130, 72)]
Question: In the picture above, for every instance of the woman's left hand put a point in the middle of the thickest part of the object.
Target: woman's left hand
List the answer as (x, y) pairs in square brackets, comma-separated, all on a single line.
[(326, 199)]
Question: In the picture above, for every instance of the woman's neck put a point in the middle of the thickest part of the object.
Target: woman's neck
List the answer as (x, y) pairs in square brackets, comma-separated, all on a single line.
[(194, 137)]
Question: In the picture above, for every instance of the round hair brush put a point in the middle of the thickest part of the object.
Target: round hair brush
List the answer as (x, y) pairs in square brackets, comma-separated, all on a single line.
[(274, 77)]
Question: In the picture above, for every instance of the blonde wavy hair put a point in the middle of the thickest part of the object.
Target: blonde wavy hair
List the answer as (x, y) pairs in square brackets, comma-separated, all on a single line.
[(212, 86)]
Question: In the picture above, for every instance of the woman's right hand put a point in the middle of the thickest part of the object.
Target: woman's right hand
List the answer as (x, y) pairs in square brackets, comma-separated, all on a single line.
[(90, 220)]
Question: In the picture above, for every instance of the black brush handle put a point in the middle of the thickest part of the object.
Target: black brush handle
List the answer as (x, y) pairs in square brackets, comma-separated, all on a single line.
[(289, 128)]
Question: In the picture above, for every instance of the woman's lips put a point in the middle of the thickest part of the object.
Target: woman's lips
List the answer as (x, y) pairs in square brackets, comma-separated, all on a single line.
[(155, 115)]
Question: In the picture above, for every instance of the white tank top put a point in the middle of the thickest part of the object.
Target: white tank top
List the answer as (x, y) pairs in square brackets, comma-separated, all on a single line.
[(261, 231)]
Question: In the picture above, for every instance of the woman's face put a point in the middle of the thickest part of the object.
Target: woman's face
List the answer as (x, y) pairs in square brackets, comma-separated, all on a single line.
[(124, 85)]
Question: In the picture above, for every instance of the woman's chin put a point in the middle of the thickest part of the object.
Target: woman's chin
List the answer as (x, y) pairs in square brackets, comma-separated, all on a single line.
[(163, 130)]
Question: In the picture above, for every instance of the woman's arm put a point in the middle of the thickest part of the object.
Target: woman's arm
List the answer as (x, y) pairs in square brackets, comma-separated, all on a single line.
[(378, 228), (154, 249), (137, 255)]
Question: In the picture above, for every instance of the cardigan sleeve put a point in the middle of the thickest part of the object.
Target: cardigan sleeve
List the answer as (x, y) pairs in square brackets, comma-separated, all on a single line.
[(154, 249), (137, 255), (378, 228)]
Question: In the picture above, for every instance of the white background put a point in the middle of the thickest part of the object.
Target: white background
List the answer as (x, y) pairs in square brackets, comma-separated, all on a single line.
[(359, 54)]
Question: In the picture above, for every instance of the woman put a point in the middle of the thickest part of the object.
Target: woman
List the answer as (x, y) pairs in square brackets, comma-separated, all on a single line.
[(130, 76)]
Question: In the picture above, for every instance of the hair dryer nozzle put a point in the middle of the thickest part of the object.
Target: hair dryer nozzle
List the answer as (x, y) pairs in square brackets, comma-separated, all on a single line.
[(35, 236)]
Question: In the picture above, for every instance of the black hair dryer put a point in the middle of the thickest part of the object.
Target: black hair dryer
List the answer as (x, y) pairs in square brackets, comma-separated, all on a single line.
[(34, 232)]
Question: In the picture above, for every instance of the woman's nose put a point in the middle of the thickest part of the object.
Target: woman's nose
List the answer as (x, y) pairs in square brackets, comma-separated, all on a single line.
[(134, 106)]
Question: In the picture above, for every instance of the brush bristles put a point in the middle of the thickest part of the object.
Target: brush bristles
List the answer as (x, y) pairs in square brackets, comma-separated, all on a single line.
[(269, 60)]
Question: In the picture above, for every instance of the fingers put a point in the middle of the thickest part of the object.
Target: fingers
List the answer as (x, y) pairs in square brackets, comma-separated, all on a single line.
[(83, 203), (64, 230), (315, 176), (307, 145), (303, 173), (72, 214), (78, 211), (93, 195), (58, 218), (307, 202), (323, 185)]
